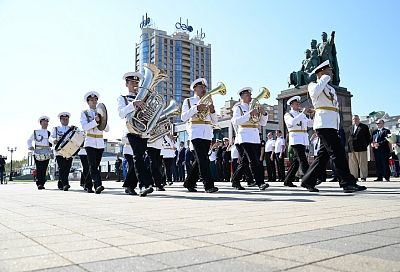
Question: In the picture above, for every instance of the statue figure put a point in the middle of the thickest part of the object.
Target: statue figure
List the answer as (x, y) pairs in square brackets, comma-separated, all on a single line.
[(303, 77), (327, 51)]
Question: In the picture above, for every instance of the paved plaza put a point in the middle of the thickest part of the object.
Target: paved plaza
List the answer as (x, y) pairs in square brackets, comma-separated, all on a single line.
[(281, 229)]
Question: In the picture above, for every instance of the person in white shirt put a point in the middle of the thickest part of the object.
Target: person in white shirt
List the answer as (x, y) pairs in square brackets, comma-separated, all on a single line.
[(297, 123), (200, 133), (42, 151), (94, 142), (126, 105), (248, 137), (279, 154), (168, 156), (326, 123), (64, 164), (269, 157)]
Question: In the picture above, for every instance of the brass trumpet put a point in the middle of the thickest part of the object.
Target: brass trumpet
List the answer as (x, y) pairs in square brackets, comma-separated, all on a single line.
[(255, 104), (207, 100)]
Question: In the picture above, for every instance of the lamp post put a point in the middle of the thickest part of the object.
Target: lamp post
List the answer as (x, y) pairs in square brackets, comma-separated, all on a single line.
[(11, 149)]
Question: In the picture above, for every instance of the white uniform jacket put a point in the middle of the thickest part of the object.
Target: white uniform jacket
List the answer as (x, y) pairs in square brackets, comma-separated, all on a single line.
[(270, 145), (197, 129), (127, 149), (247, 132), (325, 103), (168, 150), (94, 136), (40, 138), (297, 124)]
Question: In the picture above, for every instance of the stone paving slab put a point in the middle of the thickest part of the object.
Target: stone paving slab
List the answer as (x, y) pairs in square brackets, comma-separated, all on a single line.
[(281, 229)]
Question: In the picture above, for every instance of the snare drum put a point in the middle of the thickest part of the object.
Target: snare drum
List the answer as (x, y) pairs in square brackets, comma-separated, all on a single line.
[(70, 143), (43, 153)]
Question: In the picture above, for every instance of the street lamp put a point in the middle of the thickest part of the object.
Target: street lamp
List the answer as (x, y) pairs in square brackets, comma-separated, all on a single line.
[(12, 151)]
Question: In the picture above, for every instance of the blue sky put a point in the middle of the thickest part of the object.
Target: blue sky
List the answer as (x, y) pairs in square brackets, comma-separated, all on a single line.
[(52, 52)]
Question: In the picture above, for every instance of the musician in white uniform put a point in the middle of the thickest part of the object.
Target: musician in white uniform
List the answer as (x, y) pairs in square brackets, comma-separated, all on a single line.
[(39, 143), (64, 164), (200, 133), (94, 142), (326, 124), (127, 104), (297, 123), (168, 155), (248, 137)]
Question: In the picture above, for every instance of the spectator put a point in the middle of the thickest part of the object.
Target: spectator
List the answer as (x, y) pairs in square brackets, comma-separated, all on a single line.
[(381, 151), (189, 159), (358, 143), (180, 162), (226, 160), (279, 152), (2, 168)]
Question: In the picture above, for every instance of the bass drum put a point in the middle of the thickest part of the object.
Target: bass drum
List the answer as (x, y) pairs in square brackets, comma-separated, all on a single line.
[(70, 142)]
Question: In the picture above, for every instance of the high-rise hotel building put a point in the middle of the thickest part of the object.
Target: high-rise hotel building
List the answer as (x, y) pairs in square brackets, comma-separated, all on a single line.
[(183, 58)]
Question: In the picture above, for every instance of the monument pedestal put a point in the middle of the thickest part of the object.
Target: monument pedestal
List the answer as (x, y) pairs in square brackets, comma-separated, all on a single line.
[(344, 98)]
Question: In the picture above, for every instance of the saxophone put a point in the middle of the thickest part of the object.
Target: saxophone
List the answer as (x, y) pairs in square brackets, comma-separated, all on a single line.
[(164, 124), (255, 104), (207, 100), (142, 121)]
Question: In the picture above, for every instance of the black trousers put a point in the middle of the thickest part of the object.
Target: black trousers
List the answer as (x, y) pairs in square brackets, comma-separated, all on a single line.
[(235, 165), (155, 166), (226, 166), (131, 180), (180, 171), (382, 163), (271, 170), (220, 171), (188, 166), (243, 169), (64, 166), (299, 159), (41, 168), (280, 165), (201, 166), (139, 146), (86, 179), (253, 152), (168, 168), (330, 147), (94, 158), (1, 175)]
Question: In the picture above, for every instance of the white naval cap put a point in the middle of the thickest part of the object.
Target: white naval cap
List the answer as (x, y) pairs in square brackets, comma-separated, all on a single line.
[(199, 81), (64, 113), (227, 139), (91, 94), (135, 76), (245, 89), (294, 98), (44, 117), (321, 67)]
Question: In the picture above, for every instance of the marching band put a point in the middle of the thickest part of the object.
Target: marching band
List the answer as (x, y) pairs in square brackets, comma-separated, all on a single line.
[(149, 127)]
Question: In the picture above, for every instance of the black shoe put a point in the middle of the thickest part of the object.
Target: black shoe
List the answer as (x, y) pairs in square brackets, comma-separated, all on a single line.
[(238, 187), (89, 190), (388, 180), (378, 179), (310, 188), (66, 187), (145, 192), (264, 186), (161, 188), (99, 189), (361, 188), (40, 187), (212, 190), (170, 183), (130, 191), (290, 185), (334, 180)]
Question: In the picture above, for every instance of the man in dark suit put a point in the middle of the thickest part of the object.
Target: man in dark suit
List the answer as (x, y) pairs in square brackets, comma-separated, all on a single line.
[(189, 159), (180, 160), (2, 168), (381, 151), (358, 143)]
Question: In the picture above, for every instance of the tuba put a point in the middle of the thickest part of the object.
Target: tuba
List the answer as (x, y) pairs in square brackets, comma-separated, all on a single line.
[(255, 104), (142, 121), (207, 100), (164, 124)]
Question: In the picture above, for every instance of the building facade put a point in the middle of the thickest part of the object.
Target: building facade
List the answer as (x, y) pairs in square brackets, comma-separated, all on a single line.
[(183, 58)]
